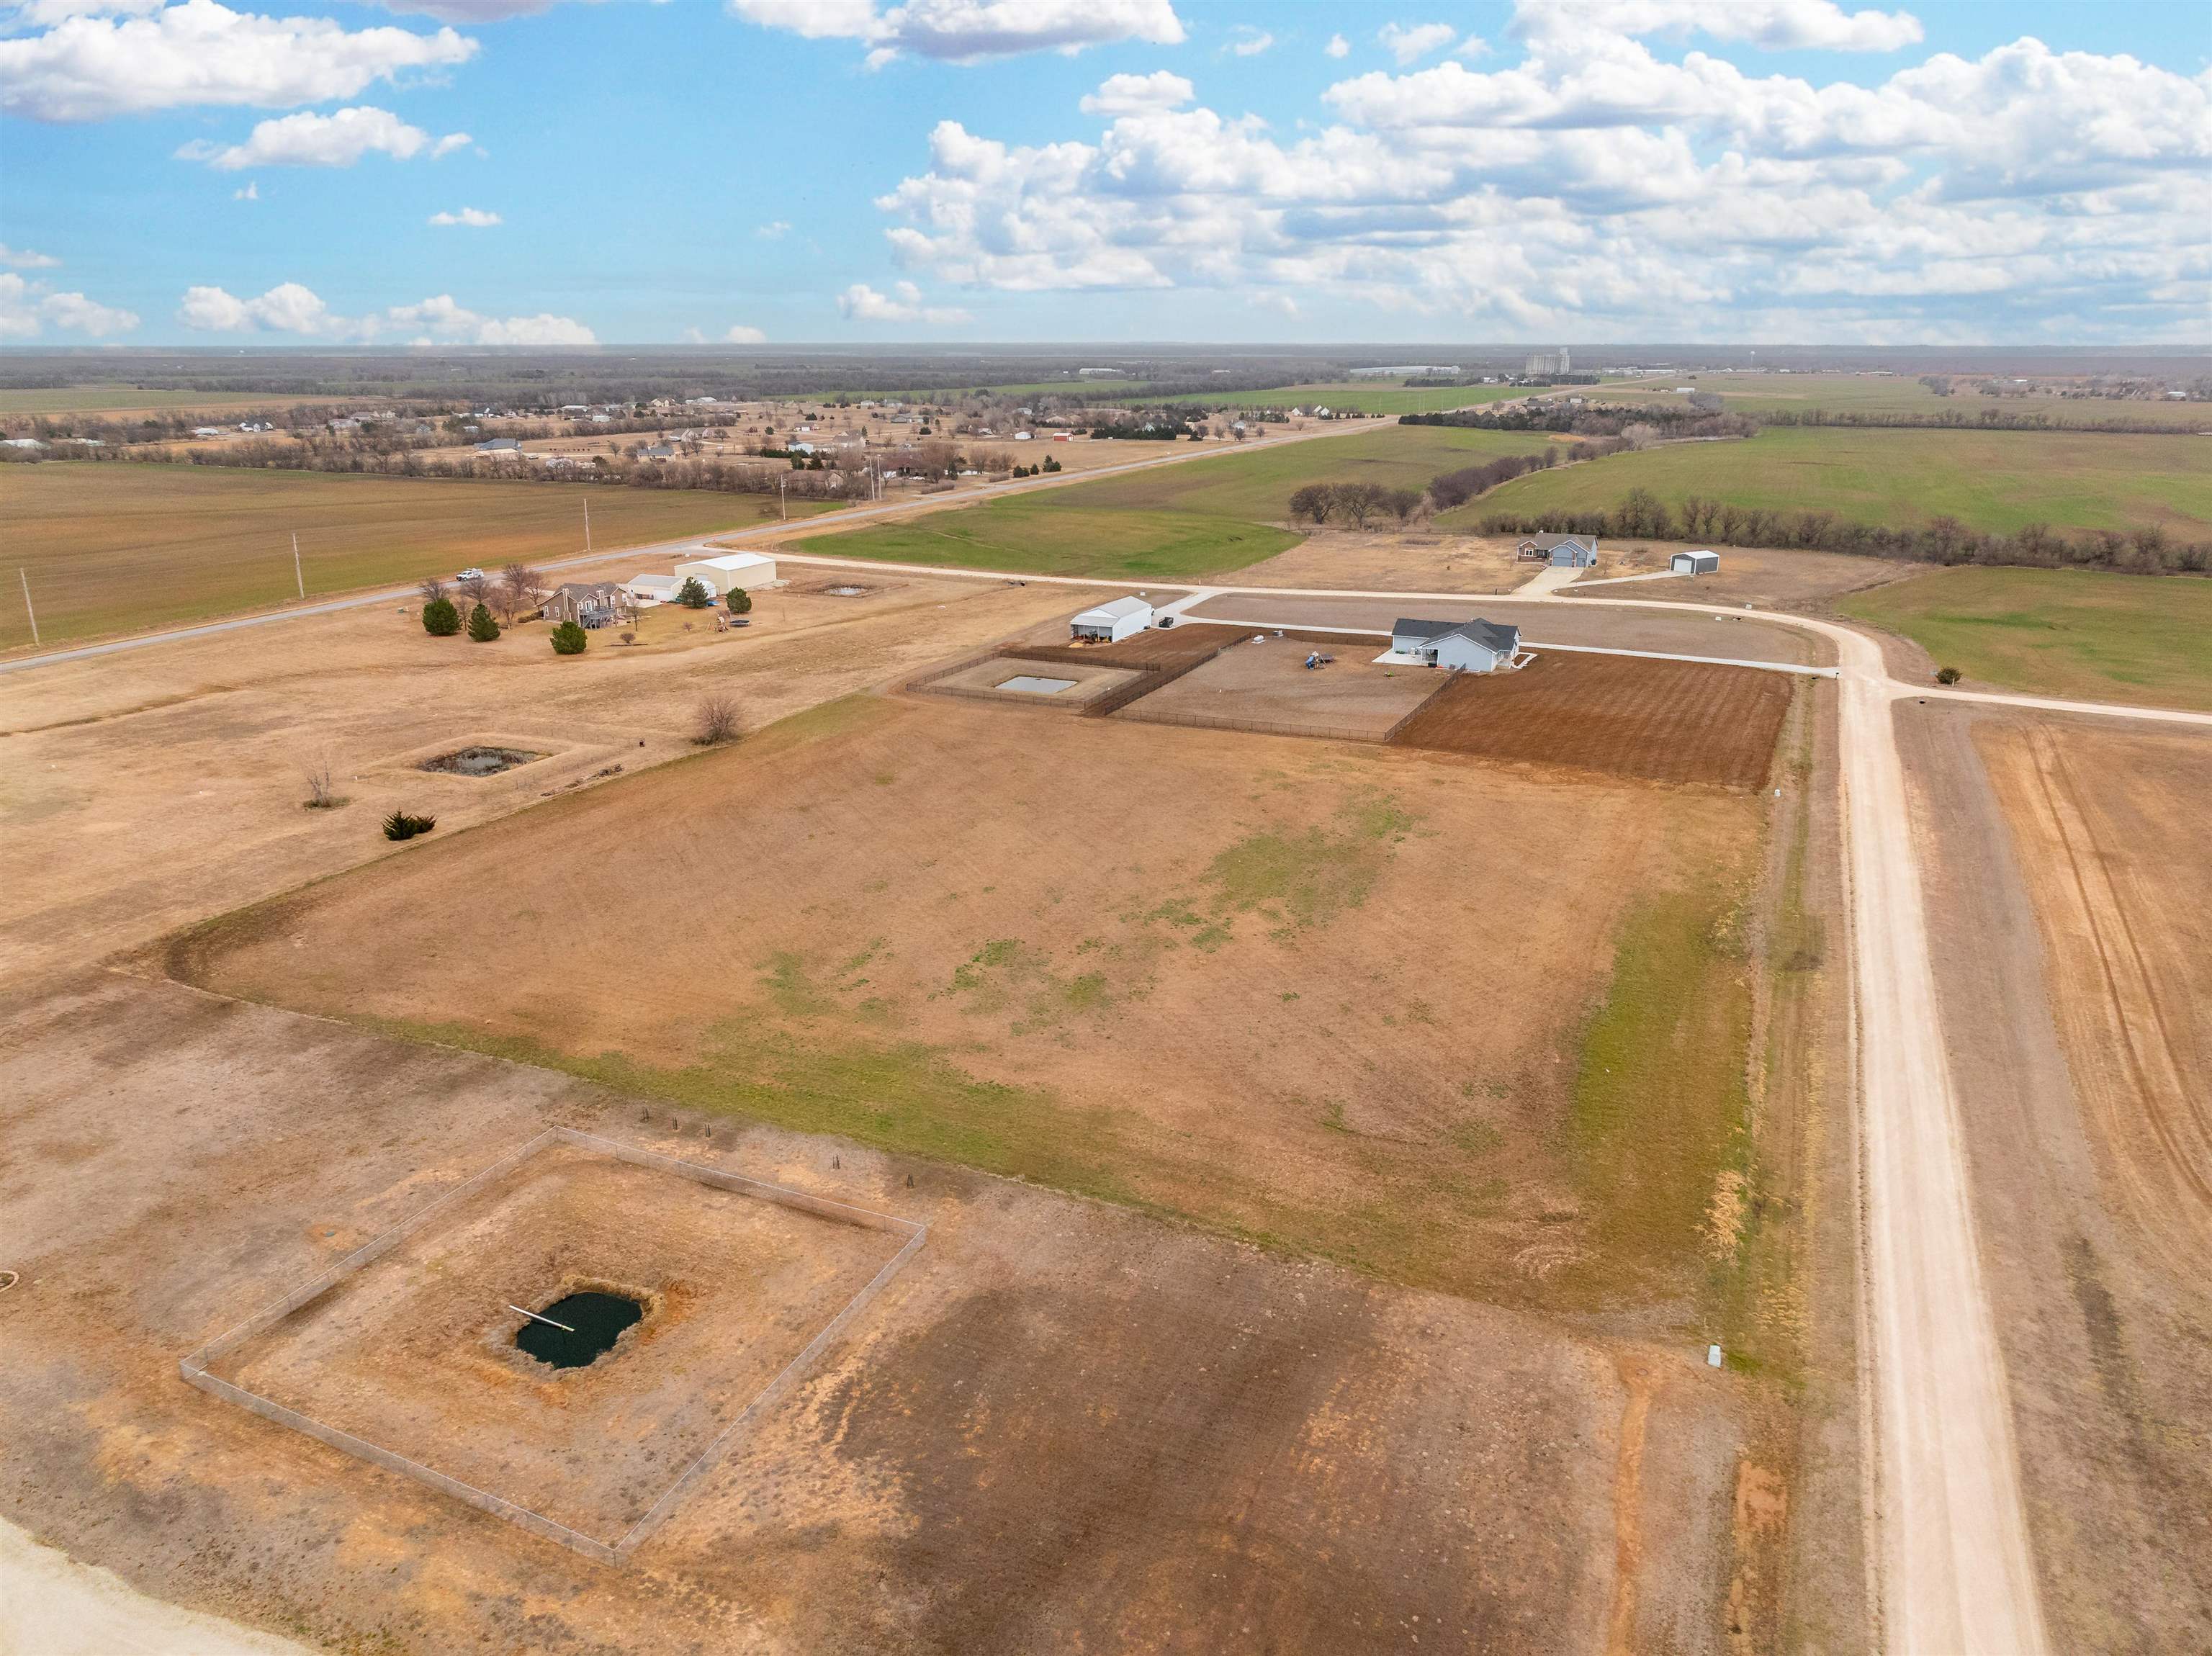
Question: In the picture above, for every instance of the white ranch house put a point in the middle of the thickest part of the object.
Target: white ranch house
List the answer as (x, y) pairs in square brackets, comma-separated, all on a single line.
[(1461, 647)]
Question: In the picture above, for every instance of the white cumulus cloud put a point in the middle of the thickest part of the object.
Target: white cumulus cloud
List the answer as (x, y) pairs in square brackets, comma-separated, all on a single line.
[(1775, 25), (1338, 46), (1133, 94), (22, 258), (85, 66), (774, 230), (1599, 184), (291, 308), (28, 307), (474, 218), (861, 303), (1410, 44), (338, 139), (970, 31), (1245, 42), (741, 335)]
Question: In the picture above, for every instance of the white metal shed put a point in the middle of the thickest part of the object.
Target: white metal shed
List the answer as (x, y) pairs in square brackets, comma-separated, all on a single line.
[(1694, 563), (731, 570), (1114, 622)]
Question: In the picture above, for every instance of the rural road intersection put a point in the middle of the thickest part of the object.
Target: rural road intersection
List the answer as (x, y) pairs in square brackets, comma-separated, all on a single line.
[(1956, 1565)]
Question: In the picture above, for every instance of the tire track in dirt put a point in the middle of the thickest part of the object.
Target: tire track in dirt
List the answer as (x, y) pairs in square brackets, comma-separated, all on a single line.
[(1627, 1505), (2144, 1040)]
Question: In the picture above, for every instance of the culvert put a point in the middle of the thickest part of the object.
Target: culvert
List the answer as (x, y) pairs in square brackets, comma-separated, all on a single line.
[(577, 1329)]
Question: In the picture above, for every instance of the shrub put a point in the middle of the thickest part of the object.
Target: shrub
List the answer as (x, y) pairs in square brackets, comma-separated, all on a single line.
[(482, 627), (441, 619), (716, 721), (569, 639), (402, 826), (693, 594), (740, 600), (1947, 675)]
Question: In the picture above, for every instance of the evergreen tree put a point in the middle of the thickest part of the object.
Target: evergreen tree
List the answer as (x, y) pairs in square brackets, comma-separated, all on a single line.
[(740, 600), (570, 639), (482, 627), (441, 619), (694, 595)]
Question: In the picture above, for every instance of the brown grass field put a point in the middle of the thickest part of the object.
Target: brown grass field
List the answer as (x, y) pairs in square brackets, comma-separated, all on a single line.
[(1660, 721), (961, 931), (118, 547), (1062, 1426), (885, 943), (2068, 880), (2110, 825)]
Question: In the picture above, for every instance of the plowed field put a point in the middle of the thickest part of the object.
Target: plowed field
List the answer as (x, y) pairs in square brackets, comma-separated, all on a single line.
[(1659, 721)]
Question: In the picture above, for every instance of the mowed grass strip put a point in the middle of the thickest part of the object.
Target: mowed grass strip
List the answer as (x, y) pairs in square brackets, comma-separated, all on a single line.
[(2084, 634), (1996, 481), (1171, 523), (120, 548)]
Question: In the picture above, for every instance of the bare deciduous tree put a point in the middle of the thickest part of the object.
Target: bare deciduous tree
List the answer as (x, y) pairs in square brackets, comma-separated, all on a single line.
[(322, 792), (717, 720), (519, 589), (431, 588)]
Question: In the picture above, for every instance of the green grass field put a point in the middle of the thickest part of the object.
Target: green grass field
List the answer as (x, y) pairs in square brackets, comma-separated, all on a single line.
[(2084, 635), (117, 548), (1999, 480), (1040, 534), (105, 402), (1171, 523), (1882, 393), (1360, 395)]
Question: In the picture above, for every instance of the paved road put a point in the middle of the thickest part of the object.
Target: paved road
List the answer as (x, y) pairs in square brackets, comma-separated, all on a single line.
[(677, 547)]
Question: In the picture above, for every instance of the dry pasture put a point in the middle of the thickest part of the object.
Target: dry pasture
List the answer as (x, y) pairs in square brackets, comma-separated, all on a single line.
[(142, 791), (954, 930), (1659, 721), (1061, 1426)]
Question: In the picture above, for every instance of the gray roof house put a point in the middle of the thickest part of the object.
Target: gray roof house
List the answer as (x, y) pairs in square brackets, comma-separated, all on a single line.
[(1466, 646), (595, 603), (1560, 551)]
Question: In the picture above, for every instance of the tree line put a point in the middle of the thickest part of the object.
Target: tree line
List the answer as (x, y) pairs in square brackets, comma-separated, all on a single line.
[(1943, 540)]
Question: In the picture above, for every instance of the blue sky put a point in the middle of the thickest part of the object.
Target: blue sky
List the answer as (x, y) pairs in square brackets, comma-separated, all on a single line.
[(838, 170)]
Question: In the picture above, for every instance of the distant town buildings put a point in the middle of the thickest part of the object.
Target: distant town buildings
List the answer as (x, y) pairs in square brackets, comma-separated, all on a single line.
[(1549, 362)]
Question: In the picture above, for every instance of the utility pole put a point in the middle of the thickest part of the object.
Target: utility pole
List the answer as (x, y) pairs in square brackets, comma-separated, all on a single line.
[(783, 512), (298, 578), (24, 575), (587, 523)]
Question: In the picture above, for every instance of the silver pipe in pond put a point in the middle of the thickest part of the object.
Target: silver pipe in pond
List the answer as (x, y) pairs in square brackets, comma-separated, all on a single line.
[(548, 1321)]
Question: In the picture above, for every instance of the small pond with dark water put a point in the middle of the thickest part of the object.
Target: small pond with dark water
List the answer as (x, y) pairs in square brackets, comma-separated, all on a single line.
[(479, 761), (593, 1321)]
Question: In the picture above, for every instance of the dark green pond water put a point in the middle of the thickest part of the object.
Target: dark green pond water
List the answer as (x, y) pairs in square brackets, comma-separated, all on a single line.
[(598, 1319)]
